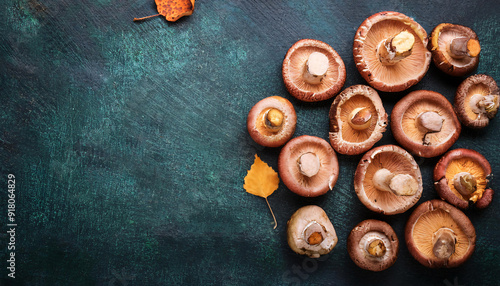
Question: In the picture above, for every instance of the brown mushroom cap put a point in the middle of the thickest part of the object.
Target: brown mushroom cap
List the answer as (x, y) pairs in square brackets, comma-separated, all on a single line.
[(396, 160), (343, 137), (260, 130), (359, 244), (426, 220), (474, 86), (391, 78), (294, 66), (441, 37), (455, 162), (289, 166), (311, 221), (406, 131)]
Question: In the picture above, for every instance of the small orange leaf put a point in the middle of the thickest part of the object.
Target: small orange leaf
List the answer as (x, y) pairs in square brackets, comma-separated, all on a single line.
[(261, 180), (172, 9)]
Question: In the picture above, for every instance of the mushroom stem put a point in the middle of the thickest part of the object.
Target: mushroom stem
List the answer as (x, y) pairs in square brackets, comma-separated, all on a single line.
[(444, 240), (316, 68), (309, 164), (376, 248), (465, 183), (360, 118), (483, 104), (400, 184), (313, 233), (395, 49), (429, 121), (464, 47), (274, 119)]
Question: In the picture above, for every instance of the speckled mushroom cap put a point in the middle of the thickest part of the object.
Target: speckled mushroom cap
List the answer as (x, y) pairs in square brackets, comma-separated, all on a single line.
[(260, 131), (391, 78), (303, 223), (365, 233), (419, 142), (439, 44), (458, 161), (426, 220), (467, 106), (396, 160), (294, 65), (343, 137), (289, 166)]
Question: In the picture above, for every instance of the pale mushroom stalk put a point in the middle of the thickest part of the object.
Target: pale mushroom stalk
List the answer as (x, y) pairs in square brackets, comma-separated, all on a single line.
[(398, 184), (484, 104), (308, 164), (360, 118), (274, 119), (464, 47), (376, 248), (313, 233), (444, 240), (316, 68), (375, 244), (465, 183), (395, 49)]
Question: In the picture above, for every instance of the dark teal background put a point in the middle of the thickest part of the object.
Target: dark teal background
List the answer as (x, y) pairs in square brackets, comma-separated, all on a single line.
[(129, 143)]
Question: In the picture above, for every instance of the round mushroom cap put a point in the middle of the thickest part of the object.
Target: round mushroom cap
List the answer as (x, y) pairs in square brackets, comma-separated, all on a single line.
[(405, 73), (294, 66), (477, 100), (258, 125), (440, 40), (309, 178), (297, 229), (463, 161), (343, 137), (360, 241), (397, 161), (405, 126), (426, 220)]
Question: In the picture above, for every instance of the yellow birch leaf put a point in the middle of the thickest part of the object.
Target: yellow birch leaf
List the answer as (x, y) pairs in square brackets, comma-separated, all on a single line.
[(261, 180)]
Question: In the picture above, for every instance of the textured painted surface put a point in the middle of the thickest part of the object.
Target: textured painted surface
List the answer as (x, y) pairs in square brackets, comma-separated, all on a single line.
[(129, 144)]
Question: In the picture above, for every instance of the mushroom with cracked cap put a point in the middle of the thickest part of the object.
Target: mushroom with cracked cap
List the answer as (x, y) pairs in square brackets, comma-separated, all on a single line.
[(357, 120), (390, 51), (424, 123), (388, 180), (461, 178), (439, 235), (455, 49), (477, 100), (310, 232), (308, 166), (373, 245), (313, 71), (271, 122)]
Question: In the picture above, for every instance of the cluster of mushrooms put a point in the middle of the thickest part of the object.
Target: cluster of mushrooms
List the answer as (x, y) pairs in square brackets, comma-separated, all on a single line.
[(392, 52)]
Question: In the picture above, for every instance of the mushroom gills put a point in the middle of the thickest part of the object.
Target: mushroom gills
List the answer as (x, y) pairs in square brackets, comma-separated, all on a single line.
[(444, 240), (398, 184), (395, 49), (316, 68), (462, 47), (309, 164)]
